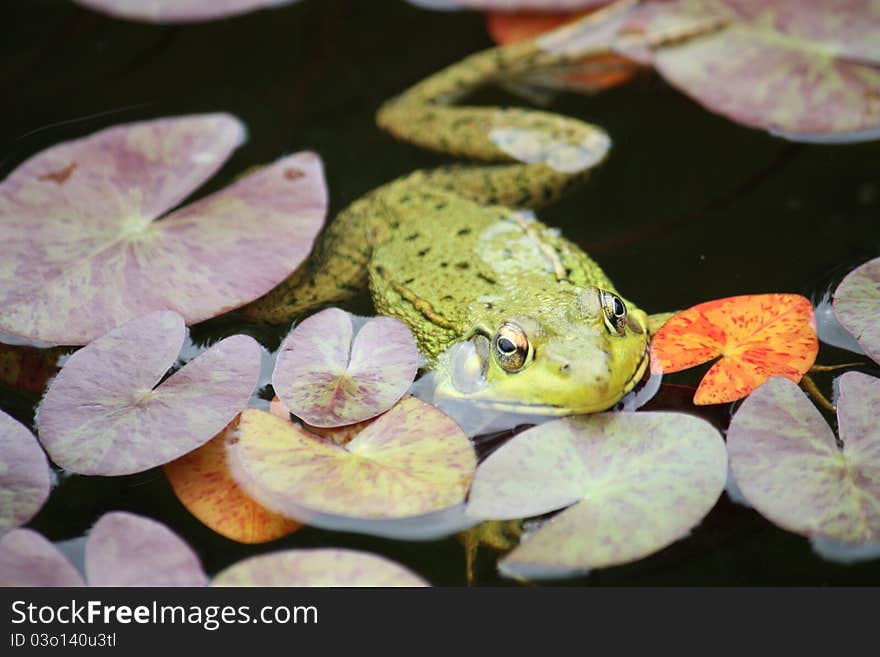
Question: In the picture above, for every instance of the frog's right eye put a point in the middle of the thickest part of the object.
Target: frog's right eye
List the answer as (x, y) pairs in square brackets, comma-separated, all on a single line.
[(512, 348)]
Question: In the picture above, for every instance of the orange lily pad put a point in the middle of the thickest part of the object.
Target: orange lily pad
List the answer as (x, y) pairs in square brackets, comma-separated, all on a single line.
[(203, 484), (317, 567), (755, 337)]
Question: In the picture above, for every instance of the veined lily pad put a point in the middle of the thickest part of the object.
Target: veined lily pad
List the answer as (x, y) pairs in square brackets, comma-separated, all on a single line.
[(317, 567), (637, 482), (28, 559), (81, 250), (857, 306), (798, 68), (410, 462), (104, 413), (329, 380), (124, 549), (787, 464), (203, 484), (24, 474), (177, 11), (755, 336)]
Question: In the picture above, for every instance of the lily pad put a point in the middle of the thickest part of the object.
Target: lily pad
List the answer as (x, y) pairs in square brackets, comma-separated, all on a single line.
[(755, 336), (24, 474), (124, 549), (177, 11), (83, 252), (104, 413), (787, 464), (329, 380), (857, 306), (317, 567), (636, 483), (409, 463), (28, 559), (797, 68), (28, 368), (204, 485)]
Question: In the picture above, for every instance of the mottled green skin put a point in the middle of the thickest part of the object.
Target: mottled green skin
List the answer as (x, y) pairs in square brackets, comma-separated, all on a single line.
[(452, 253)]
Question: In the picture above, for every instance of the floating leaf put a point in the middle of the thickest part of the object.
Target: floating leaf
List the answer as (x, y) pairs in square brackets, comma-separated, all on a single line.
[(799, 68), (756, 337), (81, 250), (177, 11), (124, 549), (787, 464), (105, 415), (638, 482), (410, 462), (317, 567), (28, 368), (28, 559), (24, 474), (857, 306), (329, 380), (203, 484)]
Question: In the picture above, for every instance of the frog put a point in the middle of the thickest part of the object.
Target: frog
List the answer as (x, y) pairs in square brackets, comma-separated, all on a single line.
[(508, 313)]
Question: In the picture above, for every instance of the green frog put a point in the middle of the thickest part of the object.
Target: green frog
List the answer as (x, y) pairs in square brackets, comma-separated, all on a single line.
[(510, 315)]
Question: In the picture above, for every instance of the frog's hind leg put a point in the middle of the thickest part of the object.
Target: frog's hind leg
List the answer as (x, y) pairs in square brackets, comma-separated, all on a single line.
[(545, 152)]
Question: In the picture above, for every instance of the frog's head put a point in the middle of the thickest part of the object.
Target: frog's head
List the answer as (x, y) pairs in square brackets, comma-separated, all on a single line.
[(580, 356)]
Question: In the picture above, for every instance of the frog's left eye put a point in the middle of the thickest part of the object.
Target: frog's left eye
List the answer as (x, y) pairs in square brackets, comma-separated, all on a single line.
[(512, 348), (615, 312)]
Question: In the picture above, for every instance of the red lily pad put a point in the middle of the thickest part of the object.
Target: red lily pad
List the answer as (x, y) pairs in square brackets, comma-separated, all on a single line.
[(787, 464), (857, 306), (28, 559), (28, 368), (204, 485), (177, 11), (104, 413), (755, 337), (329, 380), (799, 68), (83, 252), (634, 482), (24, 474), (407, 464), (317, 567), (124, 549)]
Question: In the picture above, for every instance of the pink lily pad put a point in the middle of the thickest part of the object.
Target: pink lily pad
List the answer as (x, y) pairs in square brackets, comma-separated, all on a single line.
[(24, 474), (177, 11), (788, 466), (410, 462), (82, 250), (317, 567), (802, 69), (104, 413), (857, 306), (124, 549), (330, 380), (28, 559), (633, 482)]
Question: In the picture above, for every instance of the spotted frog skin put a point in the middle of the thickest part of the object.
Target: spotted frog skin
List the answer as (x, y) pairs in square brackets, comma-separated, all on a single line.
[(508, 313)]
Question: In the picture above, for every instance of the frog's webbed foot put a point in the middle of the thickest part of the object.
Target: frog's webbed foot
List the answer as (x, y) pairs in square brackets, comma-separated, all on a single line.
[(500, 535)]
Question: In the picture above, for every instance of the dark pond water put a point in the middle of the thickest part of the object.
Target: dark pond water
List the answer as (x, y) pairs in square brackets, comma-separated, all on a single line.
[(689, 207)]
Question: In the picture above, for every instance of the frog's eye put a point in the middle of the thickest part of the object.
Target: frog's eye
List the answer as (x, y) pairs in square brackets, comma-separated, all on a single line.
[(615, 312), (511, 347)]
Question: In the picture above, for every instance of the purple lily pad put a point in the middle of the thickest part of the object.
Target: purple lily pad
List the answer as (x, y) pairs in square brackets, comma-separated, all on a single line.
[(124, 549), (317, 567), (788, 466), (329, 380), (28, 559), (857, 306), (24, 474), (177, 11), (636, 482), (82, 252), (104, 413)]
